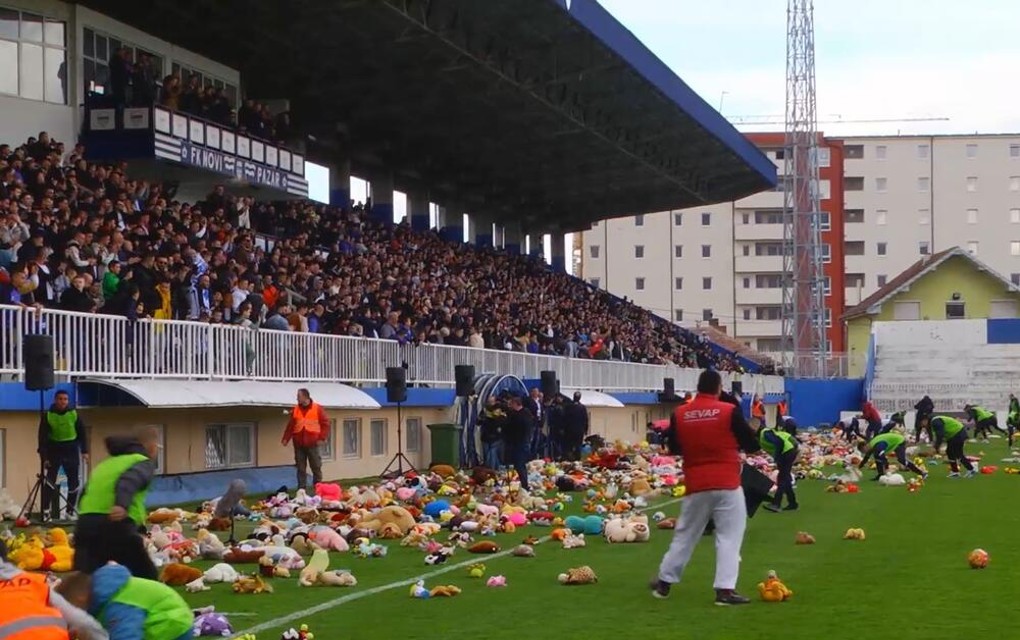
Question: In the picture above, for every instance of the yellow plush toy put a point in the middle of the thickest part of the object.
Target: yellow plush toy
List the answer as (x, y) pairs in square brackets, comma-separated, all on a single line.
[(63, 554), (773, 589), (29, 556)]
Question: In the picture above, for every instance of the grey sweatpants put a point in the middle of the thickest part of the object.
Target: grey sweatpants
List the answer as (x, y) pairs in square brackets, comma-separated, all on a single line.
[(305, 457), (729, 512)]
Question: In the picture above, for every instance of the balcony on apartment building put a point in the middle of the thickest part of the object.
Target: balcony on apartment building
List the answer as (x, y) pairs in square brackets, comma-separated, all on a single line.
[(759, 328), (755, 264), (755, 295)]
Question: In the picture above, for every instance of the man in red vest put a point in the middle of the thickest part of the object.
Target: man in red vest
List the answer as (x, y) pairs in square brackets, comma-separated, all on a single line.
[(709, 434), (308, 426)]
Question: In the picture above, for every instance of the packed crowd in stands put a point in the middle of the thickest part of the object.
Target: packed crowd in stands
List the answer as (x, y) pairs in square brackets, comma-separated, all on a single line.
[(84, 237)]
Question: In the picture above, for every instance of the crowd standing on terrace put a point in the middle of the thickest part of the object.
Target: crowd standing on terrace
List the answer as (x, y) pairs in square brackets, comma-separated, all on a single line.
[(85, 237)]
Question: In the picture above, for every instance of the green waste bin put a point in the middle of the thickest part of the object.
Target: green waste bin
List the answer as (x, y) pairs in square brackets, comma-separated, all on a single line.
[(445, 444)]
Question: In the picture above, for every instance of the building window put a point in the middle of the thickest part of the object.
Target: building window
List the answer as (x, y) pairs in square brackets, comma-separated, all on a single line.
[(706, 283), (352, 438), (881, 184), (678, 219), (768, 281), (853, 216), (824, 221), (745, 218), (823, 157), (706, 251), (593, 251), (972, 150), (923, 216), (594, 282), (639, 284), (706, 219), (923, 151), (955, 310), (853, 248), (853, 183), (1014, 151), (768, 217), (1015, 279), (855, 280), (746, 249), (768, 248), (881, 217), (678, 283), (972, 247), (1014, 216), (923, 184), (747, 283), (827, 286), (378, 434), (678, 315), (854, 151), (880, 280), (33, 56), (706, 315), (230, 445), (1014, 183), (413, 435), (972, 184), (747, 314), (678, 251), (768, 313), (828, 317), (639, 221), (327, 448), (1014, 248), (923, 248), (881, 151), (972, 216), (160, 439), (826, 253), (639, 251), (204, 79), (880, 248)]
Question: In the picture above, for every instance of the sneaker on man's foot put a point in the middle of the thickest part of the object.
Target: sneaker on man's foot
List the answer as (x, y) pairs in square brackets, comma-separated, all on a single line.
[(771, 506), (728, 597), (660, 589), (970, 474), (791, 507), (954, 474)]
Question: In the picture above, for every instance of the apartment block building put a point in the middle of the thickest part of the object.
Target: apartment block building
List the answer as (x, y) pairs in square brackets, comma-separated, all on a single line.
[(886, 201)]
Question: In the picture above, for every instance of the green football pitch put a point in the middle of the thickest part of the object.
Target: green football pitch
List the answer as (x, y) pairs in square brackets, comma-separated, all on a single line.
[(909, 579)]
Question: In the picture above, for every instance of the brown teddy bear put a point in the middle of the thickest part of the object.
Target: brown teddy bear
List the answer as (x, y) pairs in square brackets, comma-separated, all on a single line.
[(177, 574), (393, 515)]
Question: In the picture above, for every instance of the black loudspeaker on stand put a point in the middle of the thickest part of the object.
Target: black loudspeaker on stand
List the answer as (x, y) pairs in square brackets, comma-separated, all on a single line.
[(38, 353), (464, 374), (396, 392), (737, 388), (550, 385)]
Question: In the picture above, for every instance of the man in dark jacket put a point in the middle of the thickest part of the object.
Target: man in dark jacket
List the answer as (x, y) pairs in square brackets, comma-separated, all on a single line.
[(490, 426), (63, 443), (576, 427), (76, 298), (517, 438), (112, 506), (925, 409)]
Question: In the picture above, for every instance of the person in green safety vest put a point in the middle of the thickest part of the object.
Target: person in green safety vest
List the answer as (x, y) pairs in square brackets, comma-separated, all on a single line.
[(782, 446), (984, 421), (881, 445), (62, 444), (130, 608), (1012, 418), (954, 434), (112, 509)]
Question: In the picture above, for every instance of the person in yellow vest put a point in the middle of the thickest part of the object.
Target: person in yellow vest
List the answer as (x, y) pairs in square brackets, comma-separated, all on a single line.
[(783, 448), (112, 509), (308, 426), (130, 608), (31, 610), (62, 444)]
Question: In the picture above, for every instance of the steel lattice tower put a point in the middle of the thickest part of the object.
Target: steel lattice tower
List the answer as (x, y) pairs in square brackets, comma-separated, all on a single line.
[(804, 343)]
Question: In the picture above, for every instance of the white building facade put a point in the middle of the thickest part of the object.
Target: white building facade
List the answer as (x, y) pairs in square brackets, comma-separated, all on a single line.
[(902, 198)]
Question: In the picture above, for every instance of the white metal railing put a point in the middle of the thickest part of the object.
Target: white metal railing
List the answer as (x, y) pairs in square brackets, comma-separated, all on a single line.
[(114, 347)]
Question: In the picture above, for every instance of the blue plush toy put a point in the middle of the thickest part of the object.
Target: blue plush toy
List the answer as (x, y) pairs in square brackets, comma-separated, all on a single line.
[(434, 508), (593, 526), (575, 524)]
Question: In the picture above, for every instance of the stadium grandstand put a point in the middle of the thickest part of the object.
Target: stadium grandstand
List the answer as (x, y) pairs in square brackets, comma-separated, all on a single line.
[(162, 234)]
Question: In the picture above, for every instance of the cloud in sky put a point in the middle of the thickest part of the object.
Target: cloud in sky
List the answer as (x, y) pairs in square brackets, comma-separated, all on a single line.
[(874, 59)]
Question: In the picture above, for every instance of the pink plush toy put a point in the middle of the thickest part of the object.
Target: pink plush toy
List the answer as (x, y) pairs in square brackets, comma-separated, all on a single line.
[(663, 461), (496, 581), (518, 518), (406, 494), (328, 539), (330, 491)]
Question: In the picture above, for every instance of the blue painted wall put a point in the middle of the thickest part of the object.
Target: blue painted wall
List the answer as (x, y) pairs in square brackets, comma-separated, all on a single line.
[(816, 401), (416, 397), (1004, 331), (13, 396)]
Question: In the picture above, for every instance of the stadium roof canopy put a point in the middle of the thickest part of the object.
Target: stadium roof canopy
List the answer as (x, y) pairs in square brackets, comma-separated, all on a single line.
[(543, 110)]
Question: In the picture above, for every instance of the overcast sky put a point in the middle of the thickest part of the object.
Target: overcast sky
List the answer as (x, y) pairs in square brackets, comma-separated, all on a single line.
[(874, 59)]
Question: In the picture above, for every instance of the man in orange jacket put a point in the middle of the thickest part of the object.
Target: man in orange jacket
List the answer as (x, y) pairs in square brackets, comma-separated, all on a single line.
[(308, 426)]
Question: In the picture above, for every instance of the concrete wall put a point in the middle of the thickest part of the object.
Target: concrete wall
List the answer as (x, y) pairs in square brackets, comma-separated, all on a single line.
[(24, 118), (813, 402)]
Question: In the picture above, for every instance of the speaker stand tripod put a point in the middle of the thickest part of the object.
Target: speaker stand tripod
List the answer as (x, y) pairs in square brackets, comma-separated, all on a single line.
[(41, 482), (399, 459)]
